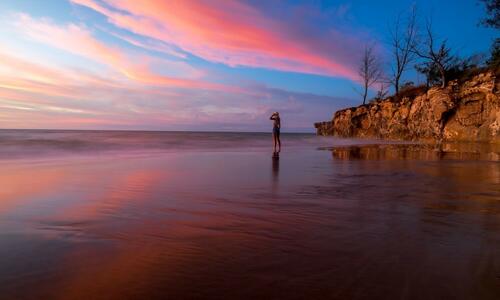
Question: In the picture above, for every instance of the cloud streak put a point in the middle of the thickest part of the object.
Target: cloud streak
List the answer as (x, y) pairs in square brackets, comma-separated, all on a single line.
[(79, 40), (232, 33)]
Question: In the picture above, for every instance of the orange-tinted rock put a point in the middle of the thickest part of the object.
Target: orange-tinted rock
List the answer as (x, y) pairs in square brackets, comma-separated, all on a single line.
[(460, 112)]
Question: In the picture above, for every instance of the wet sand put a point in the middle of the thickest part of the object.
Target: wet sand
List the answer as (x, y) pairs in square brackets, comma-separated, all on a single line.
[(322, 222)]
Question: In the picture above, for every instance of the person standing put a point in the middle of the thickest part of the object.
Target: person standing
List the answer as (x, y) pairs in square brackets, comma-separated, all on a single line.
[(275, 117)]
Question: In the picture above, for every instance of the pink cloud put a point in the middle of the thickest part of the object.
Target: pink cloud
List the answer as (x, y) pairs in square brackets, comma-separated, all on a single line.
[(229, 32), (78, 40)]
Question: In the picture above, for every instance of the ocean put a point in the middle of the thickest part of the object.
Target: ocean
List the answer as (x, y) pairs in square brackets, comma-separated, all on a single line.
[(211, 215)]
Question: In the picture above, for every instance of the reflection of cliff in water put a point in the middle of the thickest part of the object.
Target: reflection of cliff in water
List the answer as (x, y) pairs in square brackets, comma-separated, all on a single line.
[(419, 152)]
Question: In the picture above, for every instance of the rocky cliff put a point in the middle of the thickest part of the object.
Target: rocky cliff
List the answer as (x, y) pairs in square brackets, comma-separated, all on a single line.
[(468, 111)]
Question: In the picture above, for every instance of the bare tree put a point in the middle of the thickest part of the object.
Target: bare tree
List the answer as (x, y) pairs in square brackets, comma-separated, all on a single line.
[(403, 38), (369, 70), (439, 58)]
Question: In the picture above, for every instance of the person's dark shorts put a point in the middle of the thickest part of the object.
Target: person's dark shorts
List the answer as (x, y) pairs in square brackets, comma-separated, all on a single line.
[(276, 130)]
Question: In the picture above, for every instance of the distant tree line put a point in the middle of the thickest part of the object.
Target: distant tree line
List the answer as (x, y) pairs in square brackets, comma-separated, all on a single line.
[(430, 56)]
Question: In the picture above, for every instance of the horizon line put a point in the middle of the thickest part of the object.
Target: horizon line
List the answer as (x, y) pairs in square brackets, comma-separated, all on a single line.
[(150, 130)]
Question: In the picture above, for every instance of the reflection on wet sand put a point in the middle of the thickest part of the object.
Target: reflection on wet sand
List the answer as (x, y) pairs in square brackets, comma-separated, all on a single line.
[(14, 190), (373, 223), (275, 169), (418, 151)]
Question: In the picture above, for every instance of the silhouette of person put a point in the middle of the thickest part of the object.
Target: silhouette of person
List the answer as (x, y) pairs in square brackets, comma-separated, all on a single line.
[(275, 117)]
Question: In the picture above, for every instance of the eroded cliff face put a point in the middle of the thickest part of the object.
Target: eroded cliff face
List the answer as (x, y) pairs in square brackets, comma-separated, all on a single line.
[(459, 112)]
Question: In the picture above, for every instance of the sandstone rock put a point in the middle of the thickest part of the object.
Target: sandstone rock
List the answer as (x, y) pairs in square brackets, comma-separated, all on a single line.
[(460, 112)]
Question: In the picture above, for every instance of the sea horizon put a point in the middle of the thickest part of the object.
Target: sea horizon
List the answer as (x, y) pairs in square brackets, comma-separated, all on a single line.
[(157, 130)]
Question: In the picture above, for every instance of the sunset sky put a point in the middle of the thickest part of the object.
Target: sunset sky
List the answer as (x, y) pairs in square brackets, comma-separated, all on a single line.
[(199, 65)]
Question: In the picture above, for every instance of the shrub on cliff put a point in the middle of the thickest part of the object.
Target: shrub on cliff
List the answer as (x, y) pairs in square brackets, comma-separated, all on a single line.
[(411, 91)]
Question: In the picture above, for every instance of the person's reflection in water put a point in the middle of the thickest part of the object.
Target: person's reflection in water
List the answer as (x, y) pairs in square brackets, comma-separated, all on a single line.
[(275, 171)]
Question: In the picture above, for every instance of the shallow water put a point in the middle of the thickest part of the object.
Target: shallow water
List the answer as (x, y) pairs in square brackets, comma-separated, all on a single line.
[(114, 215)]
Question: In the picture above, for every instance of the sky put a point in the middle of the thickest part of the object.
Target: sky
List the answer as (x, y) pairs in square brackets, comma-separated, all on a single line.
[(201, 65)]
